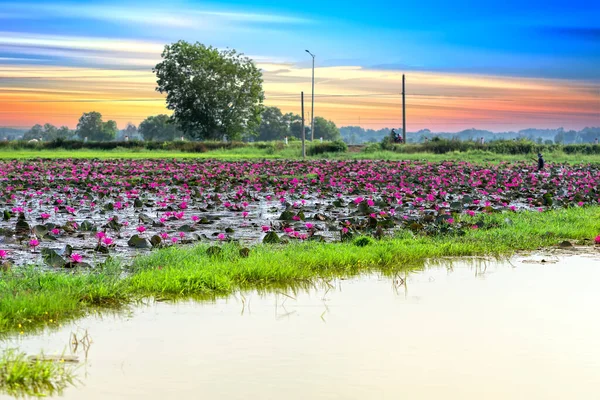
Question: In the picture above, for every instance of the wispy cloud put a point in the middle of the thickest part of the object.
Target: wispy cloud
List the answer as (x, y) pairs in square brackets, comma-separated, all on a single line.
[(180, 15)]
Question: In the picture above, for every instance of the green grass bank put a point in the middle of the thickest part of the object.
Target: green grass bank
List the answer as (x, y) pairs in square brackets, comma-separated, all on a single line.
[(293, 153), (32, 298)]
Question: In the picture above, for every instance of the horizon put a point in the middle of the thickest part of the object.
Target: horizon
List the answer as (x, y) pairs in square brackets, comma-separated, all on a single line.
[(497, 67)]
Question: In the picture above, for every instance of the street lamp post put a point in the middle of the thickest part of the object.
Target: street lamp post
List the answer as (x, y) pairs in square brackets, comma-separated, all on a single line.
[(312, 107)]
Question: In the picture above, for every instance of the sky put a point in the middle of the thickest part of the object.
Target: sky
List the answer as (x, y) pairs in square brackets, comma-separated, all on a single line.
[(497, 65)]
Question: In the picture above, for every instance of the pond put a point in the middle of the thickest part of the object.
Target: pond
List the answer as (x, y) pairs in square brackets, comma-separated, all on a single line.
[(472, 329)]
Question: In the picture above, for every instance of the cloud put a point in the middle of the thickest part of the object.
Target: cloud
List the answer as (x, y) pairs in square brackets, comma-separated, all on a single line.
[(175, 16)]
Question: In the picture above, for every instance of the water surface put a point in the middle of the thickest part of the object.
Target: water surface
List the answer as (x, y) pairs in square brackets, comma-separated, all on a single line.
[(476, 330)]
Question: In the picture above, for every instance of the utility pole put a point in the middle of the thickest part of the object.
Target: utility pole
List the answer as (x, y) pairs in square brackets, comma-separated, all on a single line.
[(312, 110), (303, 132), (403, 111)]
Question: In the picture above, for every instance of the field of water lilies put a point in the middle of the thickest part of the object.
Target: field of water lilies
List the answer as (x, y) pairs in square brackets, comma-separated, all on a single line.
[(77, 213)]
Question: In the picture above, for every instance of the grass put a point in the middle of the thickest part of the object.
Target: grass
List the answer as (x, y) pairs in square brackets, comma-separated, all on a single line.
[(32, 298), (292, 152), (21, 376)]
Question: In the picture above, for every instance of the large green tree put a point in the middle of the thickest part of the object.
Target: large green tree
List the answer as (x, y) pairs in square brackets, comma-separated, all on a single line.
[(92, 127), (294, 123), (326, 129), (212, 92), (273, 125), (159, 127)]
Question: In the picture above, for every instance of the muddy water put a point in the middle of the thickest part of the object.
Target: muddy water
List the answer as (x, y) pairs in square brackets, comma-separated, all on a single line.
[(476, 330)]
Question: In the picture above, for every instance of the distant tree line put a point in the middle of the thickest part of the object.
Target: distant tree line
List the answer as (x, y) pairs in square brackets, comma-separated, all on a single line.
[(359, 135)]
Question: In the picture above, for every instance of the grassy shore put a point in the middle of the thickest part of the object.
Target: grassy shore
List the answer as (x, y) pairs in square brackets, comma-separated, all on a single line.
[(20, 376), (292, 152), (32, 298)]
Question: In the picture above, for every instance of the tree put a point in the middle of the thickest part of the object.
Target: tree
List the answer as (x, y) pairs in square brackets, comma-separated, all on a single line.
[(326, 129), (36, 132), (48, 132), (131, 130), (294, 123), (273, 125), (158, 127), (92, 127), (212, 93), (64, 133)]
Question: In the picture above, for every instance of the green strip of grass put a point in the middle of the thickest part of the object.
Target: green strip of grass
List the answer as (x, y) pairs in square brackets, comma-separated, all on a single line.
[(32, 298), (293, 153), (21, 376)]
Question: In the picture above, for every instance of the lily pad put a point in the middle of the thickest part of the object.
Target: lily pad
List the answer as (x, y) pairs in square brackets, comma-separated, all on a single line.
[(271, 238), (138, 242), (52, 258)]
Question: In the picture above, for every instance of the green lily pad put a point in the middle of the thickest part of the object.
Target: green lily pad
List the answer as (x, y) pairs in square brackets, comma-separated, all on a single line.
[(52, 258), (271, 238), (138, 242)]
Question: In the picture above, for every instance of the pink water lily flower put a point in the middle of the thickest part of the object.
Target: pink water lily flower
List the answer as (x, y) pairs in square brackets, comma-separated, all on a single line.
[(76, 258), (4, 253), (597, 239), (141, 229), (34, 243), (221, 236)]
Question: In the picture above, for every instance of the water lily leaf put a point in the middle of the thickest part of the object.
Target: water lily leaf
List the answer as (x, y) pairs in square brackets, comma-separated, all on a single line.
[(301, 216), (186, 228), (145, 219), (456, 205), (229, 230), (271, 238), (286, 216), (69, 227), (155, 241), (244, 252), (364, 208), (87, 226), (52, 258), (72, 264), (339, 203), (109, 207), (138, 242), (137, 203), (65, 251), (214, 251), (22, 227), (6, 215), (114, 224), (101, 249), (40, 231)]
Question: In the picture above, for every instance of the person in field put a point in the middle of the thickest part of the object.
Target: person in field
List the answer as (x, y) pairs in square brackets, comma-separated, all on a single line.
[(540, 162)]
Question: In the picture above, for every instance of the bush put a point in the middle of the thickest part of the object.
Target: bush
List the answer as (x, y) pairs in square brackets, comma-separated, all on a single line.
[(336, 146)]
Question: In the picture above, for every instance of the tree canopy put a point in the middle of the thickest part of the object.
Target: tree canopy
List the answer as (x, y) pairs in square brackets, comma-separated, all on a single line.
[(48, 132), (273, 125), (159, 128), (213, 93), (92, 127), (326, 129)]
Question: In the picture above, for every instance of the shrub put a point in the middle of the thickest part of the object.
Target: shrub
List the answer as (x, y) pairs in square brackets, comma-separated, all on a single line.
[(336, 146)]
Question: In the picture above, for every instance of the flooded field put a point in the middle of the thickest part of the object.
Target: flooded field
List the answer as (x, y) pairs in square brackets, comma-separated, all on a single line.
[(524, 329), (74, 213)]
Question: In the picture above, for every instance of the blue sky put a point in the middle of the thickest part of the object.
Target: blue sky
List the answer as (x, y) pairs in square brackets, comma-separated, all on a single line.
[(553, 40)]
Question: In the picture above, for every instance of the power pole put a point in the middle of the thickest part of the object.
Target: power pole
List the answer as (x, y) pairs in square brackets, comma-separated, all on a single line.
[(403, 112), (312, 109), (303, 132)]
